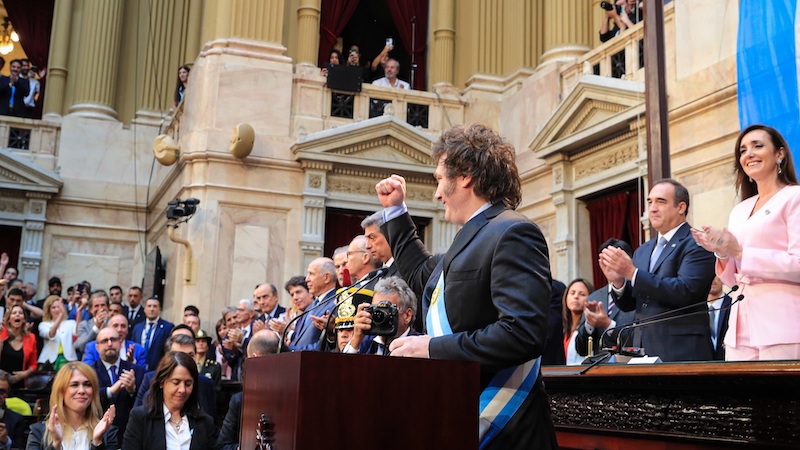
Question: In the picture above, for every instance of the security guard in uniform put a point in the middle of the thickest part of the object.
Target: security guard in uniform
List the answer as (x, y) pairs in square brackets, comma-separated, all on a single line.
[(207, 367)]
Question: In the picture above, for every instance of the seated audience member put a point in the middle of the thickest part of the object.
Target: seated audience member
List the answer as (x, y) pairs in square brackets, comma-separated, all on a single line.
[(390, 79), (192, 322), (12, 424), (119, 380), (152, 333), (263, 343), (115, 295), (395, 291), (266, 299), (131, 351), (624, 14), (58, 333), (18, 355), (321, 280), (207, 368), (222, 333), (191, 310), (205, 389), (135, 310), (13, 90), (180, 85), (172, 417), (75, 421), (601, 313), (339, 258), (572, 307), (719, 311), (87, 330), (116, 308), (334, 60), (553, 354)]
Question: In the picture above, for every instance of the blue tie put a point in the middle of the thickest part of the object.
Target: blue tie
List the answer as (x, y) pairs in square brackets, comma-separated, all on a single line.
[(662, 242), (113, 370), (148, 336)]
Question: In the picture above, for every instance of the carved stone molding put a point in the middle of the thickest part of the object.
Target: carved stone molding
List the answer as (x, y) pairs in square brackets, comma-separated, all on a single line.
[(12, 206), (605, 161)]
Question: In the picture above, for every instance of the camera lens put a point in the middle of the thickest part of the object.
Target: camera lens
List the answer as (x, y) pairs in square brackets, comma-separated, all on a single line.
[(378, 317)]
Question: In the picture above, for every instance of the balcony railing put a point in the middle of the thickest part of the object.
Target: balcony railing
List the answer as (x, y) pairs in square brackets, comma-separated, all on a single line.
[(315, 107), (33, 139)]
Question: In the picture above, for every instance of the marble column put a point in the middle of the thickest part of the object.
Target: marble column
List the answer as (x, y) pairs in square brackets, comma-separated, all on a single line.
[(315, 195), (259, 20), (567, 32), (442, 54), (32, 236), (98, 58), (156, 92), (59, 55), (308, 31)]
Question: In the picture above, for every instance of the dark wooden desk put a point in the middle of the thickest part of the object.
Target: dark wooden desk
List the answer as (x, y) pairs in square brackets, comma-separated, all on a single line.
[(710, 405)]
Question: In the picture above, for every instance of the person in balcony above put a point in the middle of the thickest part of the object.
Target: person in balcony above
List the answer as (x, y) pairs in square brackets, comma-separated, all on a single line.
[(623, 13), (391, 69), (334, 60)]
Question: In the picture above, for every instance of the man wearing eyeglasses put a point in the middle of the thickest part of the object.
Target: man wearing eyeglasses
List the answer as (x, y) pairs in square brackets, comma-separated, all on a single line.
[(119, 380), (12, 425)]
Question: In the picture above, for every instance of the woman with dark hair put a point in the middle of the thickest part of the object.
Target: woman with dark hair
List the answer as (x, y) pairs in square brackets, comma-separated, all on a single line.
[(171, 419), (180, 85), (760, 250), (76, 420), (18, 355), (572, 306)]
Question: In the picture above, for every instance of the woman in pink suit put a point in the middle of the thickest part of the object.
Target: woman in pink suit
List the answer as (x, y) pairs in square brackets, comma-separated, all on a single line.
[(760, 250)]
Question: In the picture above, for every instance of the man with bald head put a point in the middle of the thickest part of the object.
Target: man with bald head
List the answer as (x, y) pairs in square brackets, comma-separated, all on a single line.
[(321, 281), (119, 380), (129, 351)]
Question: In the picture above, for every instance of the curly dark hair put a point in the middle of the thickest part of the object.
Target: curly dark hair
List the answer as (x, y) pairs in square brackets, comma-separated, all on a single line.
[(479, 152)]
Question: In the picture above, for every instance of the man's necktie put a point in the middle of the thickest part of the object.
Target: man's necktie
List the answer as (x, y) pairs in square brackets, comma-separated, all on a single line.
[(712, 323), (148, 336), (113, 371), (610, 304), (662, 242)]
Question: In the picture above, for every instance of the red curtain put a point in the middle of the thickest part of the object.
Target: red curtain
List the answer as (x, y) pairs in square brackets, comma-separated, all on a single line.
[(32, 20), (403, 12), (334, 16), (607, 219)]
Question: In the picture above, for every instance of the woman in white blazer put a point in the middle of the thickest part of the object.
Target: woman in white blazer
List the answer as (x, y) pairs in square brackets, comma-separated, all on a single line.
[(58, 334)]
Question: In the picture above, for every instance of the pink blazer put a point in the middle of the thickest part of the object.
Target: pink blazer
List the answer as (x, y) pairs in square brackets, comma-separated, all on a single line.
[(769, 273)]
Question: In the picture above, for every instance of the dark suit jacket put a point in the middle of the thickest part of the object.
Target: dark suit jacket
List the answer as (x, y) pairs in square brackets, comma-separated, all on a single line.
[(15, 426), (553, 354), (207, 395), (123, 400), (722, 327), (139, 318), (306, 335), (278, 311), (497, 294), (682, 276), (110, 440), (229, 435), (370, 347), (160, 336), (22, 88), (600, 338), (149, 432)]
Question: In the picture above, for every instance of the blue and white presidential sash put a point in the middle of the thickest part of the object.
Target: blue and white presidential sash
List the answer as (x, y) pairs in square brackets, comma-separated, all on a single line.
[(504, 395)]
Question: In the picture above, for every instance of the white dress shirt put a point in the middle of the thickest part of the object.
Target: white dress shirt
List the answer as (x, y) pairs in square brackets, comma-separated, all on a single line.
[(180, 439)]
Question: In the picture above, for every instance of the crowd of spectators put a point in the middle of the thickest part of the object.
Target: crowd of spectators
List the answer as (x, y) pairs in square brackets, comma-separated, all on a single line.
[(20, 90), (380, 71)]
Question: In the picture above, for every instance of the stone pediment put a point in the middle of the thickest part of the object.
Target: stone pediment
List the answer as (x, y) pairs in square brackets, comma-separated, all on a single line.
[(17, 174), (597, 109), (382, 144)]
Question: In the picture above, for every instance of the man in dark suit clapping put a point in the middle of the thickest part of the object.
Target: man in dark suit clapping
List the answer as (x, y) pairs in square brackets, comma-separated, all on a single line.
[(119, 380), (13, 90), (487, 298)]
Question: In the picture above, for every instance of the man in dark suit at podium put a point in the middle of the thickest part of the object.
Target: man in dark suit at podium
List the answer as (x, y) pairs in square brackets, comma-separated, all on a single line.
[(668, 272), (486, 299)]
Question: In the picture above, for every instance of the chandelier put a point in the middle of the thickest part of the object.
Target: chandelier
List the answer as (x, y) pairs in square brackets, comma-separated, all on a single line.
[(7, 39)]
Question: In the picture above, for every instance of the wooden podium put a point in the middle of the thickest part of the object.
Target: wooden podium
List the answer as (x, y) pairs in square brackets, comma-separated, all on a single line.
[(317, 400)]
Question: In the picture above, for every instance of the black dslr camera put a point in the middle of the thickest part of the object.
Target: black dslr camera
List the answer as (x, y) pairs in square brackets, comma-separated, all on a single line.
[(607, 6), (384, 319)]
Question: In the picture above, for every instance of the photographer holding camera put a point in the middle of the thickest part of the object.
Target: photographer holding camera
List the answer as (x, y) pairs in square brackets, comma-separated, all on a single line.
[(624, 14), (388, 317)]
